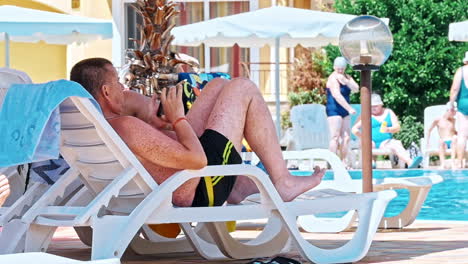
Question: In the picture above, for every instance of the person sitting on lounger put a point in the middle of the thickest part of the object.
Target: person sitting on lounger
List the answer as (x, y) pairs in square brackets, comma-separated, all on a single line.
[(4, 189), (210, 134), (446, 127), (384, 124)]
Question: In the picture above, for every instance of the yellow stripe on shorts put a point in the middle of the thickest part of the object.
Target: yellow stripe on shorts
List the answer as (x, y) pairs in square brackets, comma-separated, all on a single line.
[(226, 154)]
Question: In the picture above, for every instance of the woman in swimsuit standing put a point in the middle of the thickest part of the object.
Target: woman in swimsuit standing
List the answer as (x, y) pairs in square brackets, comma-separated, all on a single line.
[(459, 94), (339, 87)]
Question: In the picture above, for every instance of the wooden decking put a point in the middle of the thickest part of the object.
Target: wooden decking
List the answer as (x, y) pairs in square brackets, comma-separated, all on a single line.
[(424, 242)]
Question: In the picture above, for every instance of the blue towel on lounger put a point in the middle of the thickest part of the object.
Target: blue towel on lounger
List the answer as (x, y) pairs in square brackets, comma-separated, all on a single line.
[(30, 121)]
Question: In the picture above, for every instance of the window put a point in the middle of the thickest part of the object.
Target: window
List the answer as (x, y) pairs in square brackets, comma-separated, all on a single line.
[(221, 59)]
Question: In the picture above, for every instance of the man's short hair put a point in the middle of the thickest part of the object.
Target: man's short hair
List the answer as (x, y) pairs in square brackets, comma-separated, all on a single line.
[(90, 73)]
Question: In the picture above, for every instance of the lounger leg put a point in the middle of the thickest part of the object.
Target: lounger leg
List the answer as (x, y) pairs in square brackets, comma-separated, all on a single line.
[(12, 238), (271, 241), (370, 211), (107, 243), (38, 238), (417, 196)]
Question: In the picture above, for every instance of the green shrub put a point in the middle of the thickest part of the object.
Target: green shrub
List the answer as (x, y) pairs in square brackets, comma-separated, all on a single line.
[(411, 131)]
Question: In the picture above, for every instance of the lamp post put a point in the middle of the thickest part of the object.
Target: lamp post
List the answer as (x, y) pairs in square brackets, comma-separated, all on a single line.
[(366, 42)]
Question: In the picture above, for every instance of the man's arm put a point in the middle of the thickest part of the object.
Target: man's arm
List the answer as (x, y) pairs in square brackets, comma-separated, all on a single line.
[(434, 124), (144, 108), (153, 145)]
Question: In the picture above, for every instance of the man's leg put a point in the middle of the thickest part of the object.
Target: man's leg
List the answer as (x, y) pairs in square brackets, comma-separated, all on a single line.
[(202, 107), (239, 111), (442, 153)]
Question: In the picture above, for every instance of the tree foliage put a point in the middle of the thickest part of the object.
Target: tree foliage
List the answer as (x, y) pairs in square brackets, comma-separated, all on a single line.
[(419, 72)]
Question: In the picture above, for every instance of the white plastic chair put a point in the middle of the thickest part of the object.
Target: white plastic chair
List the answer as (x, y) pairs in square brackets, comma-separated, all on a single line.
[(126, 197), (430, 114), (310, 127)]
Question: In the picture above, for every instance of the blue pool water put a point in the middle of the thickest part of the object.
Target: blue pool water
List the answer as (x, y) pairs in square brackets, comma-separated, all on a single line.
[(447, 200)]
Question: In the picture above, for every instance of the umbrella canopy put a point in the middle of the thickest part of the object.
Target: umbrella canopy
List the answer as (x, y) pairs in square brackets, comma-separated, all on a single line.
[(30, 25), (275, 26), (261, 27), (458, 31)]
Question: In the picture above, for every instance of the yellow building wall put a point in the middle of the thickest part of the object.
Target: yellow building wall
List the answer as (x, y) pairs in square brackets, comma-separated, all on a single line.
[(46, 62), (41, 61)]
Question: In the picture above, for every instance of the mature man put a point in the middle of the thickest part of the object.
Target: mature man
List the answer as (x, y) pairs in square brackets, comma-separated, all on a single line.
[(211, 133)]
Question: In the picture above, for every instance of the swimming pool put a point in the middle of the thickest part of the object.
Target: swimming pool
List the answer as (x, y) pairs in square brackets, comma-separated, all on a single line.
[(447, 200)]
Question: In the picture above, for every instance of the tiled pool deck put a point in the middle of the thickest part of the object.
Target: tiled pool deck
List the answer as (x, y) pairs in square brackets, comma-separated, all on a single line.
[(423, 242)]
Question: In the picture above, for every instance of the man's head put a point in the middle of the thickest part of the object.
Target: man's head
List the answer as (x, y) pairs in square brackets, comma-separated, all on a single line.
[(376, 104), (339, 65), (99, 77), (451, 110)]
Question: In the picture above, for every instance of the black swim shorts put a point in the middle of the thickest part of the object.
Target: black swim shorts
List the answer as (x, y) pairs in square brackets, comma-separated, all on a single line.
[(214, 190)]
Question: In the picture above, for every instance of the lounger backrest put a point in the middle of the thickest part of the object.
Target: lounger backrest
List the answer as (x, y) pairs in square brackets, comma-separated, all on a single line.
[(91, 145), (430, 114), (8, 77), (310, 126)]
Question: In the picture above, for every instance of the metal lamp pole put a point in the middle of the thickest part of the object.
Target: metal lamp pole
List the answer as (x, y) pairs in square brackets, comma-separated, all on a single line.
[(366, 42), (366, 136)]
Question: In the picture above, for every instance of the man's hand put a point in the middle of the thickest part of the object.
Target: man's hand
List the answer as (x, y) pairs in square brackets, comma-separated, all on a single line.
[(352, 111), (171, 99), (159, 122), (4, 189)]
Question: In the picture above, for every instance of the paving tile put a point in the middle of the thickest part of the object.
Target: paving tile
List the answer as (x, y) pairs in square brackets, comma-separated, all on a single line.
[(422, 243)]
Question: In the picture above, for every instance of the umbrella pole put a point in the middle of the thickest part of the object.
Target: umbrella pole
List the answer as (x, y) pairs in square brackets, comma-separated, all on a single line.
[(277, 87), (7, 50)]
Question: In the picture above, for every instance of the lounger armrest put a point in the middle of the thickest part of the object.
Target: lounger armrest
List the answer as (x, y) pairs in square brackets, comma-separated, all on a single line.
[(411, 181)]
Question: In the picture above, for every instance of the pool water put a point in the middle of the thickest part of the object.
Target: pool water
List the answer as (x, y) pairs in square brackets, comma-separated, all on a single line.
[(447, 200)]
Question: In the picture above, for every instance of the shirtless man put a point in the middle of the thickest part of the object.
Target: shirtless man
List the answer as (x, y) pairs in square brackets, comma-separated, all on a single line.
[(448, 140), (226, 112)]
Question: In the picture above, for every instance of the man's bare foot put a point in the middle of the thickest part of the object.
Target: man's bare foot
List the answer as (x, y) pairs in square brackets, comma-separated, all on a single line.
[(242, 188), (4, 189), (289, 188), (292, 186)]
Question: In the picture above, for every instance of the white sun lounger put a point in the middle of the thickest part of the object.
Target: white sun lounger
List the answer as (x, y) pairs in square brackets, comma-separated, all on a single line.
[(418, 188), (126, 197)]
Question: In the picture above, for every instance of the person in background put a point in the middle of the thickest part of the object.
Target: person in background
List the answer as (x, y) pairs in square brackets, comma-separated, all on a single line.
[(446, 127), (339, 87), (459, 94), (384, 123)]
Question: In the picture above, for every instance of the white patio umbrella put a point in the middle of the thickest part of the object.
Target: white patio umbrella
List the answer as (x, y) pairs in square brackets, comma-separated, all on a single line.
[(275, 26), (30, 25), (458, 31)]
